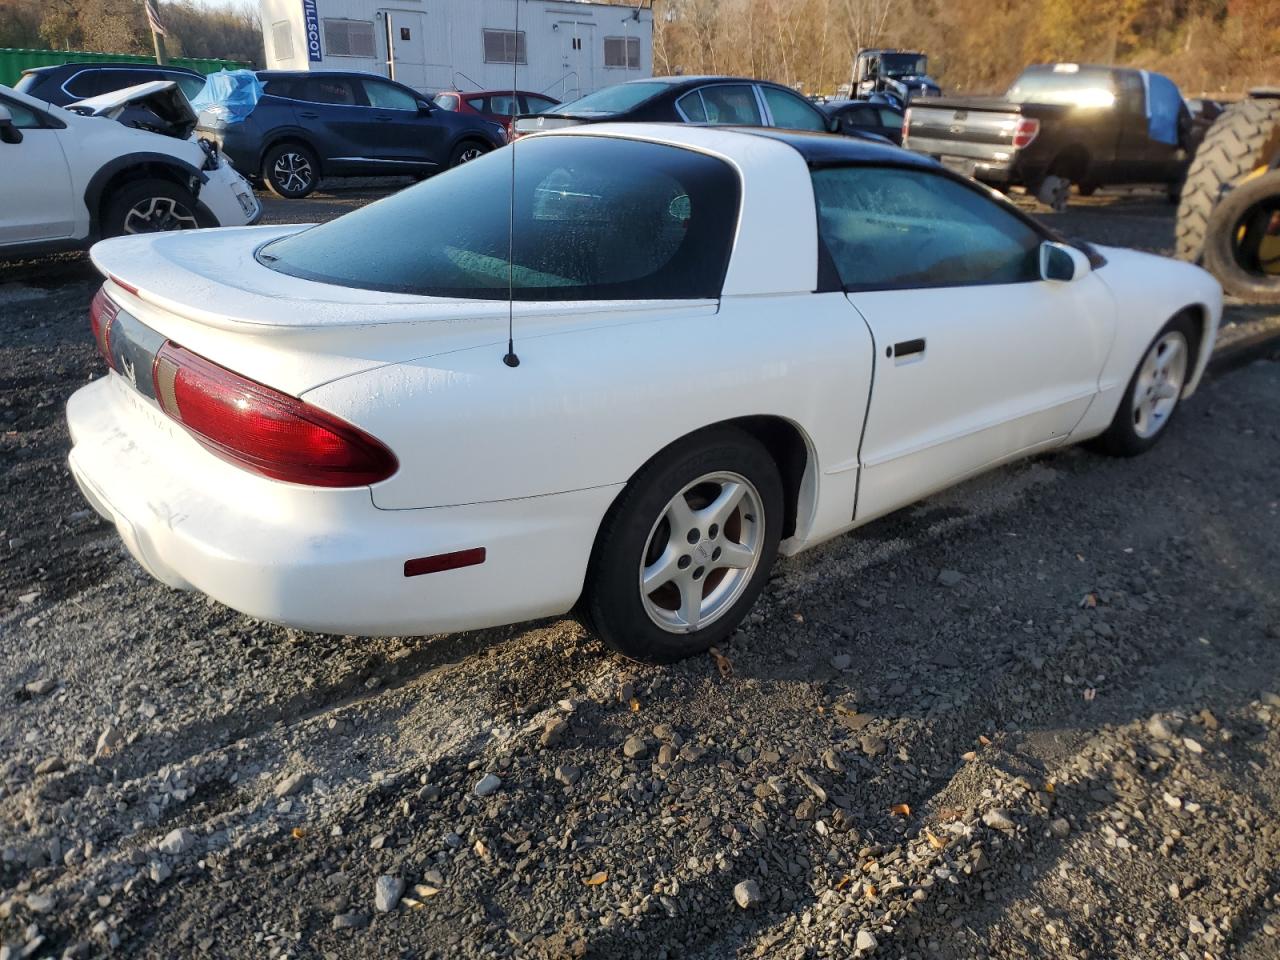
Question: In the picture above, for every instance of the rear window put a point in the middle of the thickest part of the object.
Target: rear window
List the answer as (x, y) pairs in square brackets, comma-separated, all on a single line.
[(614, 99), (1065, 83), (27, 81), (596, 218)]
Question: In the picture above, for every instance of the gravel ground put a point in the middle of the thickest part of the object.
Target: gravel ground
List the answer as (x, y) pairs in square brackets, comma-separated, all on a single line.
[(1038, 715)]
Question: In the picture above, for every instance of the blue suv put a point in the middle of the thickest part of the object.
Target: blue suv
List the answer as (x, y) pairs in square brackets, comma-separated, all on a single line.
[(308, 125)]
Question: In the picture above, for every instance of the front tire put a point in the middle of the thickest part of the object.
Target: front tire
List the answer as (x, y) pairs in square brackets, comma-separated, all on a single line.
[(291, 171), (1154, 391), (150, 206), (687, 548)]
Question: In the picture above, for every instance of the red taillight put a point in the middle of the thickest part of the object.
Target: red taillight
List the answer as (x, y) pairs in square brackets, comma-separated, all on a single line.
[(102, 314), (906, 122), (1025, 132), (262, 429)]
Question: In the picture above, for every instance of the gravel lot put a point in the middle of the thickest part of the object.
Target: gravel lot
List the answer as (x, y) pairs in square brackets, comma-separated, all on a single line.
[(1038, 715)]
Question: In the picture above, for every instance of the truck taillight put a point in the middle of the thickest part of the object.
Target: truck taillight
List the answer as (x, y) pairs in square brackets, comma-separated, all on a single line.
[(263, 430), (1025, 132), (102, 314)]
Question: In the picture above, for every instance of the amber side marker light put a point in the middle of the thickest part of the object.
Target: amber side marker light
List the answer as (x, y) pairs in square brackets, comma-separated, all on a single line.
[(444, 561)]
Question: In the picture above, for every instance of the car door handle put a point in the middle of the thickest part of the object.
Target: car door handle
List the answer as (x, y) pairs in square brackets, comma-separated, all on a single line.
[(309, 116), (907, 348)]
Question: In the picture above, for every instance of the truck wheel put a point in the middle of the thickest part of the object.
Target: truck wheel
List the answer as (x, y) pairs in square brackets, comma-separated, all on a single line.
[(1244, 137), (1054, 192), (149, 206), (291, 171), (1242, 244)]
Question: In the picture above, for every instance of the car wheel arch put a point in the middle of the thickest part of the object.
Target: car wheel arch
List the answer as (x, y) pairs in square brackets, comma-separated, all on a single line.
[(291, 137), (1073, 162), (112, 176), (793, 452)]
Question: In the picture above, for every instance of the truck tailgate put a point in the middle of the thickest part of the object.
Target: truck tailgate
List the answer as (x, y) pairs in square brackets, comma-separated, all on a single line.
[(964, 129)]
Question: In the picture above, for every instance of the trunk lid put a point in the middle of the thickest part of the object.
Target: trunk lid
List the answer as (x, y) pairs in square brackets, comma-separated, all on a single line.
[(206, 291), (162, 100)]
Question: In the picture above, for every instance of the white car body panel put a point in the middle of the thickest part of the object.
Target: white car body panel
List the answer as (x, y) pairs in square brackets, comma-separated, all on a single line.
[(43, 190), (989, 383), (526, 462)]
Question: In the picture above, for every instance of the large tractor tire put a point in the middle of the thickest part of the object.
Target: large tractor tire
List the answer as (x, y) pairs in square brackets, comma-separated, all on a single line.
[(1245, 137)]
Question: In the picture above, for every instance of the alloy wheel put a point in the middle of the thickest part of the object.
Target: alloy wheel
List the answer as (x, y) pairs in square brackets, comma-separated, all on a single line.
[(701, 552), (158, 214), (1160, 380), (469, 154), (292, 172)]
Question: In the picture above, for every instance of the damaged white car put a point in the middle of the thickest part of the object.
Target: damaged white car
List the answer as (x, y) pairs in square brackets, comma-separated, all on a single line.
[(73, 176)]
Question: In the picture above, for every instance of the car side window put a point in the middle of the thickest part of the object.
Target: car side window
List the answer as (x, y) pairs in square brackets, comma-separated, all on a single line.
[(691, 106), (536, 104), (23, 118), (731, 103), (892, 228), (502, 105), (792, 112), (332, 90), (191, 86), (388, 96), (890, 118)]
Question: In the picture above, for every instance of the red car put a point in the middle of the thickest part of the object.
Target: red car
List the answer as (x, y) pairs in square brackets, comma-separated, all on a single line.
[(497, 105)]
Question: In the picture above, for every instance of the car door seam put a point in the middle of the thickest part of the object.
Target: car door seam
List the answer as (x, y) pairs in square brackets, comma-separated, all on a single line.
[(866, 414)]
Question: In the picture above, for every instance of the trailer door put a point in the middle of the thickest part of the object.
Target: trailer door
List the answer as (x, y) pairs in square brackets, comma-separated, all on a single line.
[(406, 37), (577, 46)]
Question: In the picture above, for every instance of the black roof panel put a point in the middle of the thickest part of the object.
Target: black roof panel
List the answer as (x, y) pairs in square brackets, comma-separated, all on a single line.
[(820, 149)]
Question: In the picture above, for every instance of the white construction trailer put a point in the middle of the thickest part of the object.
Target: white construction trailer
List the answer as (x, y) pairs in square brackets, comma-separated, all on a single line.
[(563, 48)]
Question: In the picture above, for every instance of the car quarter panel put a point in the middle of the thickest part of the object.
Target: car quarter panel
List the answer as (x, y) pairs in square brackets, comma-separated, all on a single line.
[(1149, 291), (312, 558), (589, 406)]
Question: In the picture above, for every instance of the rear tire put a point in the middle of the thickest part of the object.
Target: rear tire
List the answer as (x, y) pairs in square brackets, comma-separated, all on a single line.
[(291, 171), (1244, 137), (1154, 392), (150, 206), (687, 547)]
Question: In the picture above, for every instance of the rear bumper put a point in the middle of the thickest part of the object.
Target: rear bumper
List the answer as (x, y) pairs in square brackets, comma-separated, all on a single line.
[(325, 560), (984, 162)]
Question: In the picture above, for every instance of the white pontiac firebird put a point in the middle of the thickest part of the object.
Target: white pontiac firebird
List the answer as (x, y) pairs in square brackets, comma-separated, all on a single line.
[(731, 343)]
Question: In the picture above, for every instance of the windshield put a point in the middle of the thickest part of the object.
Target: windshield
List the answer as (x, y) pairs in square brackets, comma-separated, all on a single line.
[(596, 218), (1066, 84), (615, 99), (904, 64)]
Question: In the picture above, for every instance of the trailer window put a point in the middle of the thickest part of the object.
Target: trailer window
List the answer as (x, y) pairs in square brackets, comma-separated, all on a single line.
[(504, 46), (348, 38), (282, 39), (596, 218), (622, 52)]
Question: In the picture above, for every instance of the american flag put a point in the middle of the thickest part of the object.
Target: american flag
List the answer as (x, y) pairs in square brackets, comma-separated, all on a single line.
[(153, 18)]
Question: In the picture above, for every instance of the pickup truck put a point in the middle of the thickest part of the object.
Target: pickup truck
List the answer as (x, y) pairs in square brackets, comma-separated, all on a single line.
[(1062, 124)]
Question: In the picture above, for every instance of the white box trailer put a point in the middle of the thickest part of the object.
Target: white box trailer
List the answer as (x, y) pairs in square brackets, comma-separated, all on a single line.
[(564, 48)]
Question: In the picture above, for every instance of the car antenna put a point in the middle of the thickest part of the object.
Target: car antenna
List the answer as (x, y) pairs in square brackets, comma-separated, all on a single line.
[(511, 360)]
